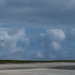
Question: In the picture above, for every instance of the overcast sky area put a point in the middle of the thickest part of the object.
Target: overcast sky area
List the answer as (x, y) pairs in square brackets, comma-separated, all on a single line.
[(37, 29)]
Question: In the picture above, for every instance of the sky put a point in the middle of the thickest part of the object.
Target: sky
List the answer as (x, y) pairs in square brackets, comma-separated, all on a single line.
[(37, 29)]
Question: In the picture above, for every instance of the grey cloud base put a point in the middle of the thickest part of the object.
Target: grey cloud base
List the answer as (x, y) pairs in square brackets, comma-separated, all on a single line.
[(48, 13)]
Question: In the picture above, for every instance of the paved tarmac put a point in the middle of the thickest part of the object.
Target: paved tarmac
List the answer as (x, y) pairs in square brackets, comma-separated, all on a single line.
[(37, 69)]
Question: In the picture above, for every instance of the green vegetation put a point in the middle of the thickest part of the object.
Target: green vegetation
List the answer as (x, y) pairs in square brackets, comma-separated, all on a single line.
[(32, 61)]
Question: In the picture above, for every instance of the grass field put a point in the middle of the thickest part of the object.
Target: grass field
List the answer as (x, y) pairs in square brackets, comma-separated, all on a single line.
[(33, 61)]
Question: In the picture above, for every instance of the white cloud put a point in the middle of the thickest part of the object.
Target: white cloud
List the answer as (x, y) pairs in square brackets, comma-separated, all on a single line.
[(55, 45), (53, 41), (9, 44), (56, 34), (40, 55), (53, 38)]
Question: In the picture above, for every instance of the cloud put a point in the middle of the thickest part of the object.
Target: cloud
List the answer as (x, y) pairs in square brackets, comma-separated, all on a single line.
[(61, 45), (56, 46), (54, 43), (38, 13), (43, 44), (12, 43), (57, 34), (40, 55), (52, 36)]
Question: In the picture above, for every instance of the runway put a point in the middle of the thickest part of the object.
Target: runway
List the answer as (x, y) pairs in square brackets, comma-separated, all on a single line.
[(36, 69)]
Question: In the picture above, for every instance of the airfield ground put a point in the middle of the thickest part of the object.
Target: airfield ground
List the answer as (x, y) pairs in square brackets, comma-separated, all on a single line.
[(38, 69)]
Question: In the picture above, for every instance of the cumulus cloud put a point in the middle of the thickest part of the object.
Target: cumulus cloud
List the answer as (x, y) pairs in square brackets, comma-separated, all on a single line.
[(55, 45), (40, 55), (59, 43), (12, 43), (53, 37), (53, 42), (57, 34), (21, 43)]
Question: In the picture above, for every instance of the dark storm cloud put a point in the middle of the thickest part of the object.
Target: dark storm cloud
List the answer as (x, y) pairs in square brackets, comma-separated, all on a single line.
[(34, 12)]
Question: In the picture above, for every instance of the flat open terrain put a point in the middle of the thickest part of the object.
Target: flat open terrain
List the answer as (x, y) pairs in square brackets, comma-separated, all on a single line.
[(38, 69), (57, 65)]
